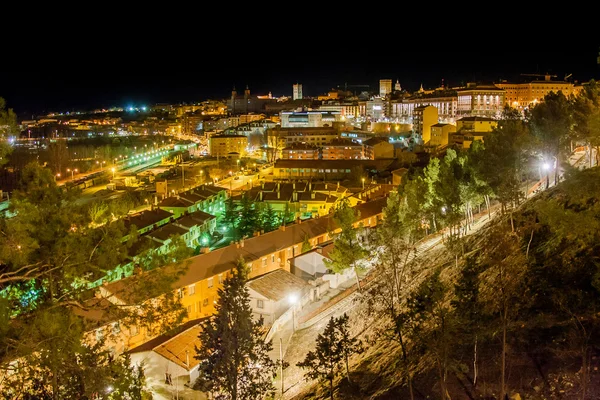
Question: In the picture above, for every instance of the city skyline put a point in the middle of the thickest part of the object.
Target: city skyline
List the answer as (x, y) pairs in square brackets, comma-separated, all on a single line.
[(64, 86)]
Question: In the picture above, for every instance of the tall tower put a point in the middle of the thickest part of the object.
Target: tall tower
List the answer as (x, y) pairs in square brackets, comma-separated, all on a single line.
[(385, 87), (297, 93), (397, 87), (233, 97), (246, 99)]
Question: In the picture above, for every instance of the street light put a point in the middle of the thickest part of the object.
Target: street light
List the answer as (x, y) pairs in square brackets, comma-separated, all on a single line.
[(113, 169), (293, 299), (57, 176), (72, 172)]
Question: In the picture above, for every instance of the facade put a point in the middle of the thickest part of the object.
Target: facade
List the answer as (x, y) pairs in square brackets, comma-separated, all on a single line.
[(446, 103), (378, 147), (300, 199), (469, 129), (342, 149), (300, 151), (225, 145), (197, 286), (385, 87), (313, 136), (145, 221), (325, 169), (525, 95), (347, 110), (424, 117), (297, 92), (308, 118), (374, 109), (440, 134), (207, 198), (480, 101)]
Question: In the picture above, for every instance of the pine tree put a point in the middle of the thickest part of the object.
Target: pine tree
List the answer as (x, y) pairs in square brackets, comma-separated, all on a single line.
[(347, 345), (230, 218), (323, 362), (306, 246), (234, 358), (247, 221)]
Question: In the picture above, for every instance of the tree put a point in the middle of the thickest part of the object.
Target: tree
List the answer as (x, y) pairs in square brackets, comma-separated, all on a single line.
[(347, 250), (347, 345), (248, 216), (8, 127), (586, 118), (323, 362), (234, 358), (230, 218), (551, 124), (268, 220), (306, 246)]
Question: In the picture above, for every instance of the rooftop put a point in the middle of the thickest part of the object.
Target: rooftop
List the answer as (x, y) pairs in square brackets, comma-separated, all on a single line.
[(145, 218), (277, 285)]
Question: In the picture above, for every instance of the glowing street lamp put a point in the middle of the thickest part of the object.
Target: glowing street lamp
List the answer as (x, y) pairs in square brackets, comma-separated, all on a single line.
[(293, 299), (72, 172)]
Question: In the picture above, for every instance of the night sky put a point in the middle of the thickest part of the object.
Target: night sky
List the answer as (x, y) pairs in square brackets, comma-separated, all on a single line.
[(74, 79)]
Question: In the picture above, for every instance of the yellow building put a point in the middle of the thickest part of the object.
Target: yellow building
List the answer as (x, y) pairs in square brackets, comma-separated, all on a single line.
[(524, 95), (378, 147), (440, 134), (424, 117), (228, 145), (480, 101), (470, 129), (197, 287)]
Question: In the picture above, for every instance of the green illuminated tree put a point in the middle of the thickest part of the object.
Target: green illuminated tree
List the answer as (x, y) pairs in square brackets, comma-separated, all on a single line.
[(50, 250)]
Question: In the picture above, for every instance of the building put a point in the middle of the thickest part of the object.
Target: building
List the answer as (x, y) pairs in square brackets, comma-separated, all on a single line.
[(299, 199), (342, 149), (270, 294), (204, 274), (228, 145), (300, 151), (326, 169), (424, 117), (279, 138), (247, 103), (446, 102), (440, 134), (145, 221), (207, 198), (528, 94), (309, 118), (378, 147), (297, 92), (374, 109), (480, 101), (385, 87), (469, 129)]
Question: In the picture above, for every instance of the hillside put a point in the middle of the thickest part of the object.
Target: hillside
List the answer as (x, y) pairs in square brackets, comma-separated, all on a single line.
[(533, 280)]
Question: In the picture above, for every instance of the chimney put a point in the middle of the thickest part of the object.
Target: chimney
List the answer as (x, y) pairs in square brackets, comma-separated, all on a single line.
[(237, 245), (282, 227), (278, 186), (295, 196), (294, 185), (312, 195), (205, 250), (310, 186), (338, 186), (278, 194), (241, 242), (262, 185), (261, 198)]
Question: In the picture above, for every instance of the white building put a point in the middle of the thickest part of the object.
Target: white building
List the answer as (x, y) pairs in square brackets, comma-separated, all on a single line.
[(271, 294), (297, 94), (309, 119)]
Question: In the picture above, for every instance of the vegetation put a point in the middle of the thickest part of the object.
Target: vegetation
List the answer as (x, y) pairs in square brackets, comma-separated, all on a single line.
[(234, 357)]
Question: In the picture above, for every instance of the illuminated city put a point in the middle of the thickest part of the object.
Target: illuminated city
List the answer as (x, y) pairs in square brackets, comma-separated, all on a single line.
[(368, 237)]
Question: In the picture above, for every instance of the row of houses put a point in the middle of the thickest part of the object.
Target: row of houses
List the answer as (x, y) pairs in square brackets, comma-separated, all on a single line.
[(197, 286)]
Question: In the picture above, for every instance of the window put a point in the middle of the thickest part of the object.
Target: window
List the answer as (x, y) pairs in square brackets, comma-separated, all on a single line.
[(205, 302), (210, 282), (180, 293), (260, 304), (191, 290), (264, 262), (272, 258), (134, 330), (189, 309), (220, 278)]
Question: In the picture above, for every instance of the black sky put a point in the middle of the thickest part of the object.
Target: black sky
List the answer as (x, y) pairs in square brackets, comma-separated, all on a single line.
[(120, 73)]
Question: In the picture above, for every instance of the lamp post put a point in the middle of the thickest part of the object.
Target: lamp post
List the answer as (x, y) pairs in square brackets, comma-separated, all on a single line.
[(113, 169), (72, 172), (293, 299), (57, 176)]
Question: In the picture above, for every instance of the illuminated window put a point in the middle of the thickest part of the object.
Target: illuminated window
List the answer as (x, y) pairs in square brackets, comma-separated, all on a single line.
[(220, 278), (210, 282), (205, 302), (264, 262), (191, 290), (260, 304)]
